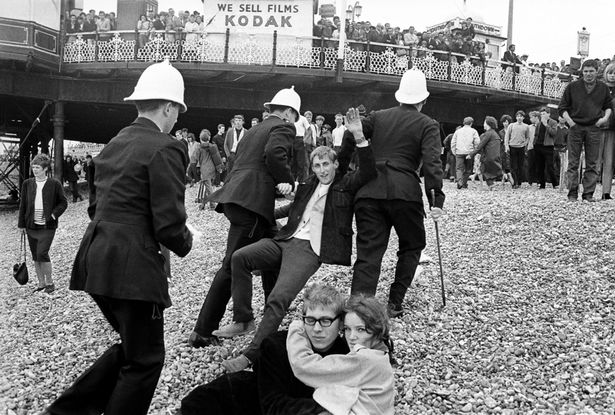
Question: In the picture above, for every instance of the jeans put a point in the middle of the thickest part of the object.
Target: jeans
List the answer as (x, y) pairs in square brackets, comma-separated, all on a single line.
[(608, 151), (463, 167), (543, 159), (517, 156), (246, 228), (124, 378), (579, 138), (375, 218), (296, 262)]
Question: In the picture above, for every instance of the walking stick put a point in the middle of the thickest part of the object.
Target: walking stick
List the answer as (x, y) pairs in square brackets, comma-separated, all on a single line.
[(433, 200)]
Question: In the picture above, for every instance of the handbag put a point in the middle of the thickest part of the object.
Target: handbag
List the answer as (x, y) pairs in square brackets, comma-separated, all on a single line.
[(20, 270)]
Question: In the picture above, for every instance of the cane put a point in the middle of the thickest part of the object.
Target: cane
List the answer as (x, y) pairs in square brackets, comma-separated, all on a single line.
[(433, 201)]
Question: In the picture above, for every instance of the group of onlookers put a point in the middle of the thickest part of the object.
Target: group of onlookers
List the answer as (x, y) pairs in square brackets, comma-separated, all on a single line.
[(91, 23), (458, 40), (186, 23), (546, 149)]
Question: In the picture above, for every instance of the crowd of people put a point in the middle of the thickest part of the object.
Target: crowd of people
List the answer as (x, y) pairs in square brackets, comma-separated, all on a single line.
[(546, 150), (91, 24), (367, 168)]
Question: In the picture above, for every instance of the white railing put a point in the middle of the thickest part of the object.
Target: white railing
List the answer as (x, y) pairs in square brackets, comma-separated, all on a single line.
[(310, 52)]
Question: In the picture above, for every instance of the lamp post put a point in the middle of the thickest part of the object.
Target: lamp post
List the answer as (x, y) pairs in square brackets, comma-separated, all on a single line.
[(354, 11), (583, 43)]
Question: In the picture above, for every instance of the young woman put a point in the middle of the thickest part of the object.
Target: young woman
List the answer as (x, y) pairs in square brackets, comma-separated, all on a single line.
[(489, 147), (42, 201), (360, 382), (608, 151)]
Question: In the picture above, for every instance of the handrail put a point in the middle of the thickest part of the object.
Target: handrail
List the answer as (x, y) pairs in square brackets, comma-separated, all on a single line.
[(310, 52)]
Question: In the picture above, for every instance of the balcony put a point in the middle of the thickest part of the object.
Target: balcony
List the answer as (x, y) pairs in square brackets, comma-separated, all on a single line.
[(310, 53)]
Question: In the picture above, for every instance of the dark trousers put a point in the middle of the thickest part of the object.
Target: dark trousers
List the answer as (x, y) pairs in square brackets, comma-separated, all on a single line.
[(517, 157), (296, 262), (545, 169), (246, 228), (124, 378), (74, 189), (529, 168), (298, 161), (231, 394), (375, 218), (580, 137), (463, 168)]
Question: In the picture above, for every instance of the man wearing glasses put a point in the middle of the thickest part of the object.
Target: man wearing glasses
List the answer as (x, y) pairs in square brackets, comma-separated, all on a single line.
[(319, 229), (272, 387)]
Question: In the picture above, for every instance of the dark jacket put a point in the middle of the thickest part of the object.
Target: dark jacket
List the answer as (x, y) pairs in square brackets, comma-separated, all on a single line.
[(54, 202), (261, 163), (585, 109), (139, 204), (561, 138), (218, 140), (336, 238), (550, 133), (281, 393), (402, 138), (208, 157)]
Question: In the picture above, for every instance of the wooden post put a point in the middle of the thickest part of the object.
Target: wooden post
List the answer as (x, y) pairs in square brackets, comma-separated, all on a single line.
[(58, 138)]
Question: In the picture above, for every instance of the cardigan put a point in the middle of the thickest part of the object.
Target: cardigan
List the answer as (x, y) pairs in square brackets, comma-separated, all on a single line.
[(54, 203)]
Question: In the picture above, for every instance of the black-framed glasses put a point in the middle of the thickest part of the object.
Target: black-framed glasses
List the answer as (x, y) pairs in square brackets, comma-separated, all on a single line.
[(323, 321)]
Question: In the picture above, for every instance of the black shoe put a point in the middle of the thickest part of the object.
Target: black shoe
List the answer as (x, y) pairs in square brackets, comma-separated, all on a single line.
[(394, 310), (196, 340), (50, 288), (588, 197), (606, 196)]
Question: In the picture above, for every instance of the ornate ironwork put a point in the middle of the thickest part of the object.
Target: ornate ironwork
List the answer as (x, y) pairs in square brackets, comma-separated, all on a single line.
[(301, 53), (116, 49)]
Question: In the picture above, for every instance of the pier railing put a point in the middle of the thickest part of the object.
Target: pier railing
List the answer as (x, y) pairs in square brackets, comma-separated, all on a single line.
[(310, 53)]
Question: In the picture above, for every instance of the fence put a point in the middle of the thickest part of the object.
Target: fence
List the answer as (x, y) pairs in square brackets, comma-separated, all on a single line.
[(312, 53)]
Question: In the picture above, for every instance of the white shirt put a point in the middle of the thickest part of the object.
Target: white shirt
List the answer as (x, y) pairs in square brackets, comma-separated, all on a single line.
[(39, 218), (338, 135), (301, 126), (236, 139), (303, 230)]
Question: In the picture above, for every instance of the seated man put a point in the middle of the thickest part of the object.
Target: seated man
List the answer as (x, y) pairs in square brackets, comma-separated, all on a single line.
[(272, 387), (319, 229)]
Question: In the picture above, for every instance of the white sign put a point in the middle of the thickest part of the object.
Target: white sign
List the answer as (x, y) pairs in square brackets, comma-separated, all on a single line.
[(288, 17)]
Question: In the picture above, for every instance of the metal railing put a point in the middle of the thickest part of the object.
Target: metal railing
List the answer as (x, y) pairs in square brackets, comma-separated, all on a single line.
[(310, 52)]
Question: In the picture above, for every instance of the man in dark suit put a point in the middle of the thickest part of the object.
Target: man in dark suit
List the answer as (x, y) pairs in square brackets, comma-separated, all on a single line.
[(401, 138), (319, 229), (218, 140), (247, 199), (138, 206)]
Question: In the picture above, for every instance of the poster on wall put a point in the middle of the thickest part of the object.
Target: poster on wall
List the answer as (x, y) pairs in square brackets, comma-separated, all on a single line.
[(251, 25)]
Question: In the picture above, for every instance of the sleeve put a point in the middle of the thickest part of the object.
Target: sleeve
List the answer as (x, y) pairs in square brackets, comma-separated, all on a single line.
[(565, 100), (483, 142), (282, 212), (277, 151), (476, 139), (166, 179), (215, 155), (366, 171), (23, 202), (454, 144), (275, 379), (60, 203), (551, 128), (607, 102), (431, 148), (314, 370), (227, 144)]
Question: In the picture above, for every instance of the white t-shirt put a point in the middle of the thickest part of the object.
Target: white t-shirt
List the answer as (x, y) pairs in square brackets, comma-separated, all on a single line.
[(301, 126), (338, 135), (39, 218)]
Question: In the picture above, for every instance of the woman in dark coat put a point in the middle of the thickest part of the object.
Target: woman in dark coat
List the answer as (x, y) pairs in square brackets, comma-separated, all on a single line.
[(41, 203), (71, 176), (489, 147)]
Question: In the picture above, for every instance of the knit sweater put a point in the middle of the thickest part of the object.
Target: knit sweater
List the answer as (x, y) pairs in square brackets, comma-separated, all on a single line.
[(517, 135), (465, 140), (585, 109), (361, 381)]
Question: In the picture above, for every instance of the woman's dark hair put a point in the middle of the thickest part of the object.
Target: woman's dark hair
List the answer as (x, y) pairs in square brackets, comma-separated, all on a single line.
[(375, 317), (491, 122), (42, 160), (506, 117)]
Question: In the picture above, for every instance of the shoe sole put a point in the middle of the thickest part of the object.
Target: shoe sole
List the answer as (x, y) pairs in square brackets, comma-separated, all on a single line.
[(223, 335)]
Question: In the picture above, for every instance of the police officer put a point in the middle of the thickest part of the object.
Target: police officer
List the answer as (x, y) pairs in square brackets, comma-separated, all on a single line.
[(401, 138), (138, 206), (247, 199)]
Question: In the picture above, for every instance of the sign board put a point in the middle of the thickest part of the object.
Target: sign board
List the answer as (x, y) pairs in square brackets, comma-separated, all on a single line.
[(583, 43), (288, 17), (327, 10), (251, 24)]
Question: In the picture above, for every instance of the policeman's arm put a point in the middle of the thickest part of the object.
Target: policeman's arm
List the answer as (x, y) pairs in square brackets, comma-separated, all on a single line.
[(432, 166), (277, 152), (166, 179)]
